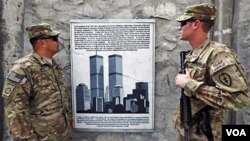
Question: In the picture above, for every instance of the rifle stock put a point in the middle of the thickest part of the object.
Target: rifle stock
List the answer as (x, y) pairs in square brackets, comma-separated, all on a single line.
[(185, 106)]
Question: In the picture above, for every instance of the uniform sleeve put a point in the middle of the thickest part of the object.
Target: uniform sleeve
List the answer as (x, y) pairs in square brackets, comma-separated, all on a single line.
[(16, 95), (230, 89)]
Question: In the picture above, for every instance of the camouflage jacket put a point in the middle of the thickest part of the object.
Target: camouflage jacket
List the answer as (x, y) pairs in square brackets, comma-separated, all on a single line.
[(218, 80), (37, 102)]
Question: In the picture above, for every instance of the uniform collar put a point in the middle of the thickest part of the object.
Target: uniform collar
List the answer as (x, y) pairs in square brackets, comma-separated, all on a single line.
[(198, 50), (195, 53)]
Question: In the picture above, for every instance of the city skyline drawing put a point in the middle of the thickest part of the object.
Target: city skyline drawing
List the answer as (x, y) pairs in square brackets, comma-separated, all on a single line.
[(95, 99)]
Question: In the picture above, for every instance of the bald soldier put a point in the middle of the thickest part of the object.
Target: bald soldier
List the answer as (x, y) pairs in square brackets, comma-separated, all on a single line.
[(214, 79), (37, 102)]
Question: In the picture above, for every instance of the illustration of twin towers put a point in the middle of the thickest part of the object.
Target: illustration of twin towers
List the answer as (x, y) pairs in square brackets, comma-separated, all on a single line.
[(112, 100)]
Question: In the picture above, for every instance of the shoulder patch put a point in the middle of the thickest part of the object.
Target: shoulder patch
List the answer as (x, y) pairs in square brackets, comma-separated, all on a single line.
[(225, 79), (220, 64), (13, 76), (8, 88)]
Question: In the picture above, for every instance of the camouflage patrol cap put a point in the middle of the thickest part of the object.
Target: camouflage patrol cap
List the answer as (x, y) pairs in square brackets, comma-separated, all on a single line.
[(205, 11), (41, 30)]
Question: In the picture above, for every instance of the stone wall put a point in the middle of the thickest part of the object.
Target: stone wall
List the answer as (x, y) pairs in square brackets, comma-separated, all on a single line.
[(17, 14)]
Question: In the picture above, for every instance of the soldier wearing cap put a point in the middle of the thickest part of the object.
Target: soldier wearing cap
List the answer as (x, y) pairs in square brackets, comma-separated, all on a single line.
[(214, 79), (37, 102)]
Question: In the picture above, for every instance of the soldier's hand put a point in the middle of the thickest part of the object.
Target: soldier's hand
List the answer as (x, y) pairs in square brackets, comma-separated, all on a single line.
[(182, 79)]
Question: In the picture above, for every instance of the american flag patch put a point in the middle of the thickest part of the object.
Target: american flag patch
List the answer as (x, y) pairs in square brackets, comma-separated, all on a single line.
[(15, 77)]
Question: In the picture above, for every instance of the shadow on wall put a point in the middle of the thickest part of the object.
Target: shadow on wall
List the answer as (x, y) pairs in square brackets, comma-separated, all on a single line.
[(1, 69)]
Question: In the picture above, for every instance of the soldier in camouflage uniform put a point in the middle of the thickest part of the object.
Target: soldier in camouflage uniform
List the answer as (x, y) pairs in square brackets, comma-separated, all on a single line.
[(214, 79), (37, 102)]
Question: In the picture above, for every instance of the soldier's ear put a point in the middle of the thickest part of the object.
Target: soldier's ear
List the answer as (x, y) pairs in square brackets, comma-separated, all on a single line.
[(196, 24), (41, 43)]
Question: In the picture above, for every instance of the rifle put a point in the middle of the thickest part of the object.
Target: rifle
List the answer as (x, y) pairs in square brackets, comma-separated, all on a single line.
[(185, 106)]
